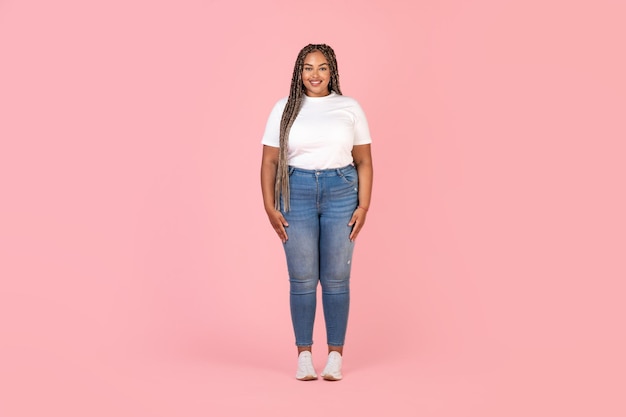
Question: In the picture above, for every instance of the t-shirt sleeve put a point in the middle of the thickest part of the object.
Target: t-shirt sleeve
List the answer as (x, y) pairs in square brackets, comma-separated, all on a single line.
[(361, 128), (271, 137)]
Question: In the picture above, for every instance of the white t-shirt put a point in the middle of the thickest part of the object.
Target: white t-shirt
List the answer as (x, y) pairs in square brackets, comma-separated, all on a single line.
[(323, 134)]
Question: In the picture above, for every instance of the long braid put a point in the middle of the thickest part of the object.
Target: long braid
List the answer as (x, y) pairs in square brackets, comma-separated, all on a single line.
[(292, 108)]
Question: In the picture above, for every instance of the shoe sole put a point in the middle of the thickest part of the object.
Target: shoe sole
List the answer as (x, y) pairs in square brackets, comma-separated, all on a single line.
[(307, 378), (331, 378)]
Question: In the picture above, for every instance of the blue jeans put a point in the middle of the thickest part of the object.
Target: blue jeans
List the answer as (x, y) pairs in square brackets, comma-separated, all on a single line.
[(319, 249)]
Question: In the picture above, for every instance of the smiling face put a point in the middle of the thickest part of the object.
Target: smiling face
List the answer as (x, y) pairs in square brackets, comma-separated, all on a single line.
[(316, 74)]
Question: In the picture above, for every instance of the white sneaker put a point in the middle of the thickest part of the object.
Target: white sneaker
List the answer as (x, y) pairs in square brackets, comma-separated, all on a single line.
[(305, 372), (332, 371)]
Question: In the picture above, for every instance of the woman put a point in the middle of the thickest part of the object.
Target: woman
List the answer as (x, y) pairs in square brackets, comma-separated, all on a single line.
[(316, 179)]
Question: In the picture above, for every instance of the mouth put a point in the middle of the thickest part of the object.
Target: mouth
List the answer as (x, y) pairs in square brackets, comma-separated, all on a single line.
[(315, 83)]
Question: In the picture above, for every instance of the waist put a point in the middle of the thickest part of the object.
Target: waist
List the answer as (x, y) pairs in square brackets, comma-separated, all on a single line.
[(331, 172)]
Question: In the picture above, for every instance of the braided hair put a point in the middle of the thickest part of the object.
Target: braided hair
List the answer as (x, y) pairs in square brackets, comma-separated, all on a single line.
[(292, 108)]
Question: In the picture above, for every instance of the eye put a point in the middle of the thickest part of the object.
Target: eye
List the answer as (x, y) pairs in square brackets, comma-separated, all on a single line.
[(323, 69)]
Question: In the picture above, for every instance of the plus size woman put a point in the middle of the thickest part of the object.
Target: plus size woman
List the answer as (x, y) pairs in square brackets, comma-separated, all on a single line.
[(316, 179)]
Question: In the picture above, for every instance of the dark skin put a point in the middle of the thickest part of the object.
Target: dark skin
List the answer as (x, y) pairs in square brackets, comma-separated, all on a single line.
[(316, 68), (363, 163)]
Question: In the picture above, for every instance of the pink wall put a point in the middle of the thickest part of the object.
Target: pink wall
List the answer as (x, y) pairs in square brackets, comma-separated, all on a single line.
[(141, 277)]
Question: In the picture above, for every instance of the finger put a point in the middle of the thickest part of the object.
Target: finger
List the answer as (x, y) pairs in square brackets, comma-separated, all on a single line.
[(358, 225), (353, 220), (282, 237), (277, 217), (355, 231), (281, 232), (282, 223)]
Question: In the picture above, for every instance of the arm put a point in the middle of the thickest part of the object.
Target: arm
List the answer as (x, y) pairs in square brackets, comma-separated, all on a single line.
[(362, 156), (269, 165)]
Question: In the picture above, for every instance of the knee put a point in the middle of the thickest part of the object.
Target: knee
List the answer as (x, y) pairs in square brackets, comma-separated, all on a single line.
[(336, 285), (303, 284)]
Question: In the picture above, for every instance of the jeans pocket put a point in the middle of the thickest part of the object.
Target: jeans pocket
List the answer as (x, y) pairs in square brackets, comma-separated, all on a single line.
[(349, 175)]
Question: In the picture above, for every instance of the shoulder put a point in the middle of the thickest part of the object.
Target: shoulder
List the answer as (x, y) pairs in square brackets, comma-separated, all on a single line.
[(280, 104), (347, 101), (351, 104), (278, 108)]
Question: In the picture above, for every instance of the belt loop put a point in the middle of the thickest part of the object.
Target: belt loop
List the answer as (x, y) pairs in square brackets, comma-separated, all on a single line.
[(291, 169)]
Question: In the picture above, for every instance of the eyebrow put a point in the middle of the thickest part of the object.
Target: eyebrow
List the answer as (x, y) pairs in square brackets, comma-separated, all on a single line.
[(310, 65)]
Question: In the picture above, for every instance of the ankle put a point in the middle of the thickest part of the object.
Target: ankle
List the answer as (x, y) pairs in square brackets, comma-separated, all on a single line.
[(303, 349), (338, 349)]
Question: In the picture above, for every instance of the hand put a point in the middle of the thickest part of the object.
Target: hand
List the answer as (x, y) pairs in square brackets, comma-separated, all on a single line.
[(278, 223), (357, 221)]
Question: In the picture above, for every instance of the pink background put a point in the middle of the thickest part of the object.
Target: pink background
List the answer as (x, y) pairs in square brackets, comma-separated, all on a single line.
[(140, 276)]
